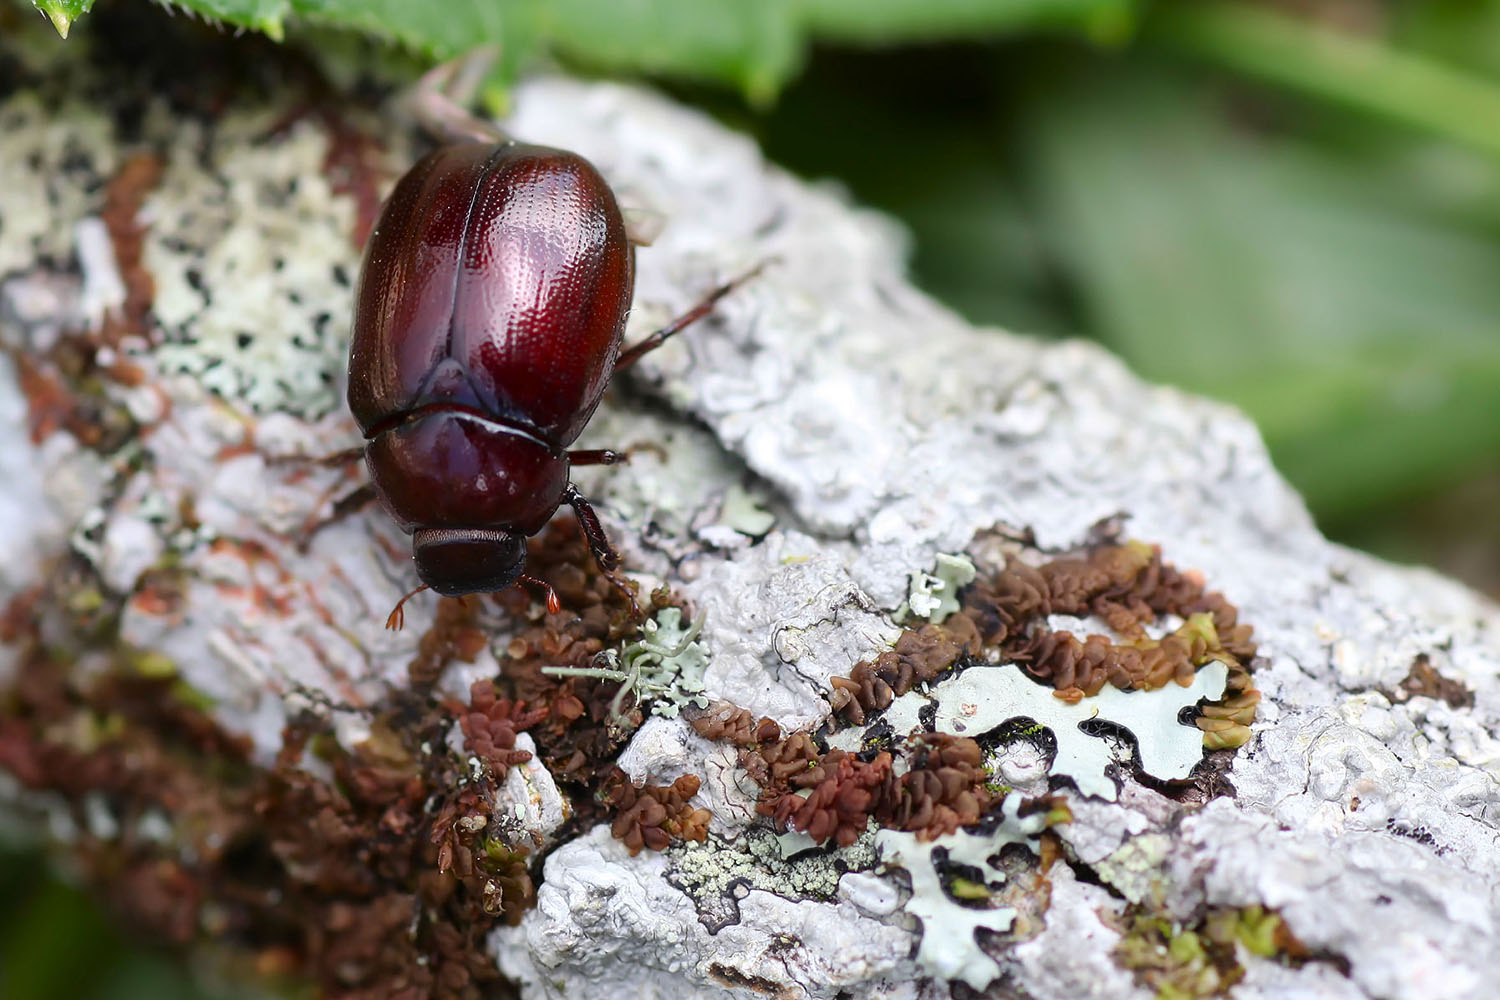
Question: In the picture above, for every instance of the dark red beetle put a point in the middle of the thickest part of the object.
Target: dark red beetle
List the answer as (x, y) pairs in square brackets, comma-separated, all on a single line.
[(488, 321)]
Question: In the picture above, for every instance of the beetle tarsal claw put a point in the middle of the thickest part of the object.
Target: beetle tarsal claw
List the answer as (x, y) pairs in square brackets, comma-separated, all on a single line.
[(397, 618), (624, 587), (548, 594)]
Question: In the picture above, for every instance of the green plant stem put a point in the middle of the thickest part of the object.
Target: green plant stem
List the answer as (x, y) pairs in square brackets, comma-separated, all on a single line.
[(1358, 73)]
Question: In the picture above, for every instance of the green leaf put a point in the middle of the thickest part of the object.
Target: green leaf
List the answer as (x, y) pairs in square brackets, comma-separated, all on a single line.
[(1356, 320), (266, 16), (438, 30), (753, 45), (1336, 66), (911, 20), (887, 126), (1456, 32), (62, 13), (46, 926)]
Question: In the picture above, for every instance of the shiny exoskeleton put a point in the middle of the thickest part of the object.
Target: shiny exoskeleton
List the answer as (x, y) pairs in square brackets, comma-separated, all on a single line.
[(488, 322)]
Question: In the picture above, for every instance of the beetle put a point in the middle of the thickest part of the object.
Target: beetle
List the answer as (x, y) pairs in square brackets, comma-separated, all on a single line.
[(489, 318)]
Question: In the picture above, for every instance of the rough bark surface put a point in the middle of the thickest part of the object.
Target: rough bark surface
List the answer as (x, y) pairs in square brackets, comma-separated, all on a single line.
[(174, 304)]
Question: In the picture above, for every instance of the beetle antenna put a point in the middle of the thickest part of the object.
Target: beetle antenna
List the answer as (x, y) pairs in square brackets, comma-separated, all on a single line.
[(397, 617), (550, 595)]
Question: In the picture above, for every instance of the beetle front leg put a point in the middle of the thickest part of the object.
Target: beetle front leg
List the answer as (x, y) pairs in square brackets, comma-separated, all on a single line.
[(604, 553), (631, 355), (336, 460), (350, 503)]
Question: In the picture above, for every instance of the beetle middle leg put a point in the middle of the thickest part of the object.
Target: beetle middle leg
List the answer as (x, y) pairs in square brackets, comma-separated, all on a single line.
[(597, 456), (351, 502), (614, 456), (631, 355), (604, 553)]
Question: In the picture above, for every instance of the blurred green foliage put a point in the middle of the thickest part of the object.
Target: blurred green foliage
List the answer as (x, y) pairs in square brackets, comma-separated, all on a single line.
[(753, 45), (55, 944)]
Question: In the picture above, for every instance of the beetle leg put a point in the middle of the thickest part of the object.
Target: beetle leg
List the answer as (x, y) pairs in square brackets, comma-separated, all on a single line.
[(342, 506), (604, 553), (597, 456), (549, 596), (444, 91), (614, 456), (355, 500), (642, 225), (336, 460), (631, 355)]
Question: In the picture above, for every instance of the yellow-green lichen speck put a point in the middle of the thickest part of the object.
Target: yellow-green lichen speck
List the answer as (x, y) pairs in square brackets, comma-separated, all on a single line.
[(1202, 960), (934, 596)]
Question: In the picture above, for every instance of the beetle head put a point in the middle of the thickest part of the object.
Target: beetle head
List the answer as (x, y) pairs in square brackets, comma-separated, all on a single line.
[(458, 561)]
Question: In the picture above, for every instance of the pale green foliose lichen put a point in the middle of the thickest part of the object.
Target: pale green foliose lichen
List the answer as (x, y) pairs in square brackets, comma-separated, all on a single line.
[(983, 698), (948, 949), (1135, 869), (934, 596), (665, 666), (742, 512)]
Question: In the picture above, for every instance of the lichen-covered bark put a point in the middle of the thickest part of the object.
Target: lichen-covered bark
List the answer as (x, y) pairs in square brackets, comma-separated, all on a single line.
[(873, 772)]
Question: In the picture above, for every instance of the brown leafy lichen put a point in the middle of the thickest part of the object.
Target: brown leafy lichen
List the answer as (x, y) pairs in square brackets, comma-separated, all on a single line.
[(931, 784), (580, 736), (454, 635), (329, 878), (918, 656), (653, 816), (1424, 681), (834, 794), (490, 724), (1003, 616), (1129, 586), (375, 870)]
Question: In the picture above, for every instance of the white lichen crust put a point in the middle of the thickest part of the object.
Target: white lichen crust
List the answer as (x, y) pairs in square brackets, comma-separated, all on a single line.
[(831, 431), (254, 265)]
